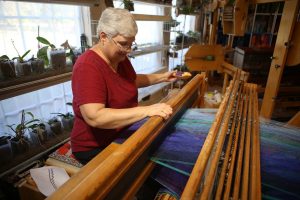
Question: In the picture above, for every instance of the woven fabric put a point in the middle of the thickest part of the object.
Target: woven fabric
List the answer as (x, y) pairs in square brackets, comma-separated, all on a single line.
[(280, 155)]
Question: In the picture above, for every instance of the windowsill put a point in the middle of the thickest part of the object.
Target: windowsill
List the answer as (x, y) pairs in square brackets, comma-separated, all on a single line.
[(26, 158), (25, 84)]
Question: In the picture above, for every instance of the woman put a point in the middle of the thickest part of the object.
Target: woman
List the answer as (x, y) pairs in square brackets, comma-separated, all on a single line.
[(105, 84)]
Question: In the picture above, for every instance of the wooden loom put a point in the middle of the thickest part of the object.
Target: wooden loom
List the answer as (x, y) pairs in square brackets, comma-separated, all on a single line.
[(120, 170)]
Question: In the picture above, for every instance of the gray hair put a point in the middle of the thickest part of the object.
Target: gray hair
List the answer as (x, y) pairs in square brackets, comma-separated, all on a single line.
[(115, 21)]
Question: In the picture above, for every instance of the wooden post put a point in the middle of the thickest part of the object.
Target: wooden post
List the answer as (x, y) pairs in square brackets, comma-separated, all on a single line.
[(230, 41), (295, 121), (214, 26), (287, 23), (225, 83)]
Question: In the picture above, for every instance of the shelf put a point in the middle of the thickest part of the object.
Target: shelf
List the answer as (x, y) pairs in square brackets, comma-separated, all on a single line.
[(268, 14), (35, 153), (179, 47), (25, 87), (147, 50)]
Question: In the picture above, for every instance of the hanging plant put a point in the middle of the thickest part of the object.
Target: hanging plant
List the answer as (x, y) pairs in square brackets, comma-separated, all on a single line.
[(129, 5)]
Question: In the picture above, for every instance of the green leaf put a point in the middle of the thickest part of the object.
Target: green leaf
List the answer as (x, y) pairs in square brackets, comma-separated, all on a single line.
[(20, 127), (42, 54), (30, 113), (25, 54), (43, 40), (4, 58), (33, 126), (31, 121), (59, 114)]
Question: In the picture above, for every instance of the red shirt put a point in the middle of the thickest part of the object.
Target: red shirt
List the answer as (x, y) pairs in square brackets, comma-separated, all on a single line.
[(93, 81)]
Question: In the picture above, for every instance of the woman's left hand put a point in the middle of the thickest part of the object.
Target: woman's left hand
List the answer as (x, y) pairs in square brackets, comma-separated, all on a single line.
[(169, 76)]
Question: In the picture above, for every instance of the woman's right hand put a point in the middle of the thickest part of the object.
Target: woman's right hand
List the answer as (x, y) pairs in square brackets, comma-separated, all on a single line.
[(160, 109)]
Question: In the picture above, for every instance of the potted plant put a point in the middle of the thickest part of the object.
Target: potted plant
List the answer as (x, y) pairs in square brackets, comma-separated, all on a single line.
[(39, 130), (71, 53), (129, 5), (57, 56), (55, 125), (7, 67), (67, 120), (19, 141), (23, 67)]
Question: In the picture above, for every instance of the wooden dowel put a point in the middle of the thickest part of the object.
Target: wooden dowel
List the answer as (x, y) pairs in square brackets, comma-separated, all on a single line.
[(193, 183), (210, 177), (225, 83), (235, 123), (243, 141), (245, 175), (238, 139), (255, 188)]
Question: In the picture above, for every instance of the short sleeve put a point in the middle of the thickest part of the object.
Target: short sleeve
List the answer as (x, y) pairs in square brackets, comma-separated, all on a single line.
[(88, 84)]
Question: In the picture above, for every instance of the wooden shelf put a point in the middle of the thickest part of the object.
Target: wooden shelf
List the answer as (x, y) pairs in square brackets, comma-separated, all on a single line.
[(153, 2), (178, 47), (22, 88)]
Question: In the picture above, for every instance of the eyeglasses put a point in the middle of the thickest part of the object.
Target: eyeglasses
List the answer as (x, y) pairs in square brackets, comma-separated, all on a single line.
[(125, 48)]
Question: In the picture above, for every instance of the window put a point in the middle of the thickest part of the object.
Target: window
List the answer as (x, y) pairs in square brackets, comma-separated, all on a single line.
[(21, 23), (149, 33)]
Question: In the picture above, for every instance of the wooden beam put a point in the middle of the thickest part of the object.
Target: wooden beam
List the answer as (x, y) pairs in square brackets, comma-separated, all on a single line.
[(72, 2), (295, 121), (287, 23), (140, 17)]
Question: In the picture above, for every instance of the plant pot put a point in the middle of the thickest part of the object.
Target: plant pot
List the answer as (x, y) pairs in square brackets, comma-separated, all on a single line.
[(68, 123), (19, 146), (58, 59), (6, 153), (39, 134), (55, 126), (8, 69), (23, 68), (38, 66)]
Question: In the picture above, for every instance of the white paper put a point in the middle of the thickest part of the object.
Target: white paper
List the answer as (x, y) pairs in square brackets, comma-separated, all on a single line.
[(48, 179)]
